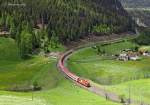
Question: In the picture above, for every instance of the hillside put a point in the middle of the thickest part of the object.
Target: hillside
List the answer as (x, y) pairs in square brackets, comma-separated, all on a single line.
[(35, 36), (101, 66), (64, 21), (142, 15), (136, 3), (139, 10), (17, 74)]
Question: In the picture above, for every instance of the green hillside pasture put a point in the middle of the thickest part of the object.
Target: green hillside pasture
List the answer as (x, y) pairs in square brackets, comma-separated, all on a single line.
[(23, 74), (105, 69), (140, 89), (18, 74), (111, 71), (65, 93), (8, 49), (110, 49)]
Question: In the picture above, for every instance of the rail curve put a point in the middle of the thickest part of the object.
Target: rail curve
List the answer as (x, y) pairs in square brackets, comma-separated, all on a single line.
[(88, 84)]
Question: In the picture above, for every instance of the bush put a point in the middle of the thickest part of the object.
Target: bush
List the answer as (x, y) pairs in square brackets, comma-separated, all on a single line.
[(122, 98), (144, 38), (103, 29), (36, 86)]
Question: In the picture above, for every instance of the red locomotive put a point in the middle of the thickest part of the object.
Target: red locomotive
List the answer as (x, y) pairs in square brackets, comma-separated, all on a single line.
[(84, 82), (71, 75)]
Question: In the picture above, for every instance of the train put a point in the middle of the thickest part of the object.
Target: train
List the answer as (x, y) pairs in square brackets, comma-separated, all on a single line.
[(72, 76)]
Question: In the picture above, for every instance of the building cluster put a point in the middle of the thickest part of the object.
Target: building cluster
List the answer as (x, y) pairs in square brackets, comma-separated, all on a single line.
[(4, 32), (128, 54)]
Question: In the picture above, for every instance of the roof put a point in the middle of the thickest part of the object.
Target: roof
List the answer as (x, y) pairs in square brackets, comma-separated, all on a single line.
[(4, 33)]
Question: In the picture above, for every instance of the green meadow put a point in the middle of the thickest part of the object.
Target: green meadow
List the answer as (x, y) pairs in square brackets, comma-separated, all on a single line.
[(111, 73), (139, 89), (19, 74)]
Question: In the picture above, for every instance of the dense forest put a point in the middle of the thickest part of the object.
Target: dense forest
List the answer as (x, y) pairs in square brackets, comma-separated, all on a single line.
[(144, 37), (39, 23)]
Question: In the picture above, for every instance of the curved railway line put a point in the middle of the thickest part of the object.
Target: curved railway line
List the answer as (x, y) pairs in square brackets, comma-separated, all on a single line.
[(88, 84)]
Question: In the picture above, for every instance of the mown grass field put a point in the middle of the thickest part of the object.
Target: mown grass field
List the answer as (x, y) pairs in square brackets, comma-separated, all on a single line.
[(111, 72), (106, 69), (56, 90), (18, 73), (9, 50), (65, 93), (139, 89)]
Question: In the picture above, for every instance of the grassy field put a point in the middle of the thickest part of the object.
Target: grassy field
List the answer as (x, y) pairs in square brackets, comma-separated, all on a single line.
[(9, 50), (21, 74), (111, 72), (105, 69), (16, 73), (140, 89), (24, 73), (65, 93)]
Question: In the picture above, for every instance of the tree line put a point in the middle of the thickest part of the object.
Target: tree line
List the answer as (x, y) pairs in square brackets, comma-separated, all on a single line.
[(144, 37), (40, 23)]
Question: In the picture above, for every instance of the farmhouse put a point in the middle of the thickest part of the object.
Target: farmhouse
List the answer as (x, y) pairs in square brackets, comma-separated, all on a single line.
[(4, 34), (123, 57), (144, 52), (133, 57), (128, 55)]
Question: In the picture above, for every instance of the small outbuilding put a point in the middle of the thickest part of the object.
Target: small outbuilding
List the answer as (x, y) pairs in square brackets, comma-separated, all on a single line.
[(123, 57), (4, 34), (129, 55)]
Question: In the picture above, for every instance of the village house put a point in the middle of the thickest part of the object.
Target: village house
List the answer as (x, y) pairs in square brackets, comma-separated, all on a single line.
[(133, 56), (129, 55), (144, 52), (123, 57), (4, 34)]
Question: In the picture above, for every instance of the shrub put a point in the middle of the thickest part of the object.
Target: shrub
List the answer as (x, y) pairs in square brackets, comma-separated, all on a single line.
[(144, 38)]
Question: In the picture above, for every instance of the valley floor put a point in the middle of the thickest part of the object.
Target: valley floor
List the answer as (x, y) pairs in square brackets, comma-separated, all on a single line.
[(124, 78), (22, 74), (65, 93)]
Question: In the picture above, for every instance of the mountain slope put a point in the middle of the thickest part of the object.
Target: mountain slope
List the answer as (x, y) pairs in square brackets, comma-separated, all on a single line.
[(65, 21), (138, 9), (136, 3), (68, 18), (20, 76)]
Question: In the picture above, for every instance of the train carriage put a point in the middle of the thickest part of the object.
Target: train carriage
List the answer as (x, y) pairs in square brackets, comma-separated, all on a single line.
[(71, 75)]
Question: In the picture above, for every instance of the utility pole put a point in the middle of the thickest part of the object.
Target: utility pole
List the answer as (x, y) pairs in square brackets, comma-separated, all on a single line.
[(106, 95), (129, 101), (32, 95), (32, 87), (141, 97)]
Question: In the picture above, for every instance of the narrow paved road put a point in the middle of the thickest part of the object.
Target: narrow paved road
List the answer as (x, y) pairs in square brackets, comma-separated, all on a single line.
[(108, 95)]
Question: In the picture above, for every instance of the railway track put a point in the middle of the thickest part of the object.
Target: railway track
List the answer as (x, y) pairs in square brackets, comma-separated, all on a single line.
[(92, 88), (89, 85)]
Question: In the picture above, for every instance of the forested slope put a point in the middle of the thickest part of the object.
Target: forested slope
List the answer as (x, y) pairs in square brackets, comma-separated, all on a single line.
[(64, 20), (142, 15), (136, 3), (138, 9)]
